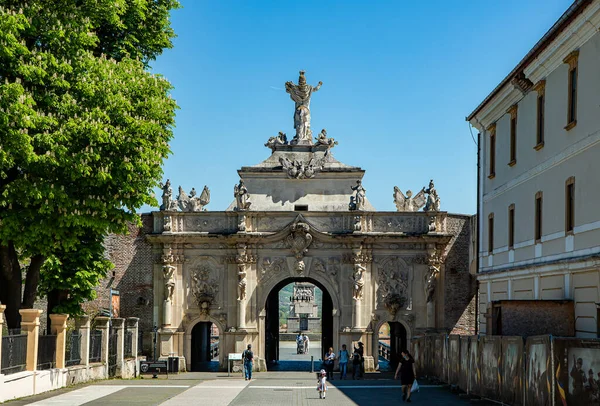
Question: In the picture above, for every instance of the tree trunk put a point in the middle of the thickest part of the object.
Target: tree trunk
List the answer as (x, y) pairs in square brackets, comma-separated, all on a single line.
[(55, 298), (32, 279), (10, 283)]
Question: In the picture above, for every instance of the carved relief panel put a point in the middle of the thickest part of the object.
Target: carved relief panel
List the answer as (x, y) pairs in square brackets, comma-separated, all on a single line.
[(393, 284), (204, 284)]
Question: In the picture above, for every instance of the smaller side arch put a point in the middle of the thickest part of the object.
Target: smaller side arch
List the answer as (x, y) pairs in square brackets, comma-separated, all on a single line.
[(187, 345), (407, 338)]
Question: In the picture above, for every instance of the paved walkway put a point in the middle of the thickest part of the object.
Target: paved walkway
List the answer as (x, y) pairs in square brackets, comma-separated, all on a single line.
[(268, 388)]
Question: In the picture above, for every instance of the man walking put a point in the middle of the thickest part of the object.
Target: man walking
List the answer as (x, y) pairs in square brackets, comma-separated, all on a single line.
[(306, 343), (248, 357)]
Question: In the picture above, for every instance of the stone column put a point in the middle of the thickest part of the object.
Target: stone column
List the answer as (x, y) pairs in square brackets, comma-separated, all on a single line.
[(102, 324), (2, 308), (119, 326), (132, 325), (82, 324), (242, 313), (30, 325), (356, 313), (58, 326)]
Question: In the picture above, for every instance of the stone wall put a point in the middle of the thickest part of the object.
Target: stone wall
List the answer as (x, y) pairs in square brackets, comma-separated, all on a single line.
[(459, 285), (537, 317), (132, 276)]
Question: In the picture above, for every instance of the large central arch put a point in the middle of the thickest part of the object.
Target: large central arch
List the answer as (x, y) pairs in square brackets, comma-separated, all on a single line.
[(271, 336)]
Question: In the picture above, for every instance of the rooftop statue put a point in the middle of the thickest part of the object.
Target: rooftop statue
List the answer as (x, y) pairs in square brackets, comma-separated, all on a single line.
[(433, 200), (191, 203), (301, 94), (280, 139), (409, 202), (323, 140), (241, 196)]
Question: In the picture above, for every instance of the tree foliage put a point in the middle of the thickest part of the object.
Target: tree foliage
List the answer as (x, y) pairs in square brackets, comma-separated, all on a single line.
[(84, 130)]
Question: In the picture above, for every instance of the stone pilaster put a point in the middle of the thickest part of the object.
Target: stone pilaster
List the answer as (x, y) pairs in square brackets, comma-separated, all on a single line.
[(102, 324), (132, 325), (58, 326), (119, 326), (30, 325), (82, 325)]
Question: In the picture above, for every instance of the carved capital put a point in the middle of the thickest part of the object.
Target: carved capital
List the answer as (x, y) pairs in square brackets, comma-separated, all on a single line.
[(512, 110), (540, 87), (572, 59)]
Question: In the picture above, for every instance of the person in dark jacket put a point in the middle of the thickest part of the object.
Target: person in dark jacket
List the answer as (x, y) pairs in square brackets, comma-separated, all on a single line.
[(406, 369)]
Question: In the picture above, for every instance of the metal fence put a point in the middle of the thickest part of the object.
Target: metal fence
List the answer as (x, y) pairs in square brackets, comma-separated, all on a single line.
[(95, 346), (46, 352), (214, 350), (14, 353), (384, 351), (73, 351), (127, 351)]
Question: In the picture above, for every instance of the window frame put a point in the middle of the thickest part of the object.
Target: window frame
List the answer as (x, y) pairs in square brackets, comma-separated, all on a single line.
[(511, 226), (573, 83), (491, 234), (540, 88), (539, 216), (570, 205), (513, 135), (492, 151)]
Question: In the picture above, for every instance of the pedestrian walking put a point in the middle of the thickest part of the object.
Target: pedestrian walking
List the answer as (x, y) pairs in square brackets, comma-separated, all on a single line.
[(329, 363), (356, 364), (248, 358), (322, 383), (361, 352), (406, 369), (343, 361)]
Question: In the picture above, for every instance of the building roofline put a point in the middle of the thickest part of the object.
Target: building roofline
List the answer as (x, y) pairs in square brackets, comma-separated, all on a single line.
[(559, 26)]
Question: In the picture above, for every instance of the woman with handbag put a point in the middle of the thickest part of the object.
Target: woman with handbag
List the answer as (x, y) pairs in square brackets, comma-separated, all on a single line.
[(406, 368)]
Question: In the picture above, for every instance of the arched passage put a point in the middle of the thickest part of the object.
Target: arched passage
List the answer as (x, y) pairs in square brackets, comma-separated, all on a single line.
[(393, 338), (204, 349), (272, 319)]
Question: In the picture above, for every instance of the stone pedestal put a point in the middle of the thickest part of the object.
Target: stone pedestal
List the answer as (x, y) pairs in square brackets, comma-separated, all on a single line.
[(102, 324), (30, 325), (82, 324), (58, 326), (132, 325), (119, 326)]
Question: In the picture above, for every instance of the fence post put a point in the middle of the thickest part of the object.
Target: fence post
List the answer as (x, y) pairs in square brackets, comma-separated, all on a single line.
[(102, 325), (82, 324), (118, 324), (132, 324), (58, 326), (2, 308), (30, 325)]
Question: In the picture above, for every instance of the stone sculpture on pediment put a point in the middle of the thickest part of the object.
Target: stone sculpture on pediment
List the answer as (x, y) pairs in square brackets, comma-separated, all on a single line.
[(185, 203), (301, 94), (357, 201), (409, 202), (299, 169), (433, 200), (240, 192), (167, 196), (169, 279), (274, 142), (327, 142)]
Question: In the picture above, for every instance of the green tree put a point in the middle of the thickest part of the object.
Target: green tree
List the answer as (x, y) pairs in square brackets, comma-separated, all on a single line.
[(84, 130)]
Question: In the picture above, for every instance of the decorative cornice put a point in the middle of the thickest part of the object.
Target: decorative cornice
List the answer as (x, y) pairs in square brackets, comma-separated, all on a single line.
[(512, 110), (492, 129), (522, 83)]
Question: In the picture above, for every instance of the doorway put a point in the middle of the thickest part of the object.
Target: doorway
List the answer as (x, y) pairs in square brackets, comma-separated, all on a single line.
[(392, 340), (205, 347), (298, 292)]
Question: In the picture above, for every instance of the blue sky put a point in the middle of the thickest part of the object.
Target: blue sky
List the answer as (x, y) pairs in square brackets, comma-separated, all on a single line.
[(399, 77)]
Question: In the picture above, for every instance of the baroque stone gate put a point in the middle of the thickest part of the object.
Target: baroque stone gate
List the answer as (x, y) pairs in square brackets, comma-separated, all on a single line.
[(301, 215)]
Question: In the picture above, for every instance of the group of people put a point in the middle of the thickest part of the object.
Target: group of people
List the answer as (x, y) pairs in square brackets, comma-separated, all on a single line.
[(357, 358), (303, 343)]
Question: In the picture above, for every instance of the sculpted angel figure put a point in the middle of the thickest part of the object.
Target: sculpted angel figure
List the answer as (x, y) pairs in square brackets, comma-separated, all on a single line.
[(408, 202), (198, 203), (273, 142), (241, 196), (359, 198), (359, 281), (433, 200), (323, 140), (301, 94)]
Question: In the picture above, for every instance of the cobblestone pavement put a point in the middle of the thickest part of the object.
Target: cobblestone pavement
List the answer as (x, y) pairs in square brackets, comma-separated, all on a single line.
[(268, 388)]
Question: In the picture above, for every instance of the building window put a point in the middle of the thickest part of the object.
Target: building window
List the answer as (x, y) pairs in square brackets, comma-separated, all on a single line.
[(513, 135), (538, 216), (491, 234), (572, 60), (301, 207), (511, 226), (570, 205), (492, 131), (540, 88)]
